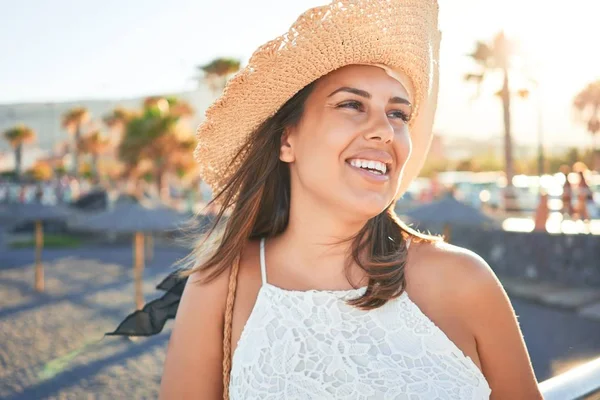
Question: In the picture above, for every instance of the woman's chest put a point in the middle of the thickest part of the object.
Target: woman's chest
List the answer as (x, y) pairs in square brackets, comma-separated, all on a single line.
[(340, 320), (330, 349)]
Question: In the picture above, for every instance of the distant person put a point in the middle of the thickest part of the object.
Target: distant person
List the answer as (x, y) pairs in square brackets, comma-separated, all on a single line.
[(74, 189), (23, 194), (313, 288), (452, 192), (39, 193), (542, 213), (58, 190), (585, 199), (423, 195), (567, 198), (4, 191), (436, 187)]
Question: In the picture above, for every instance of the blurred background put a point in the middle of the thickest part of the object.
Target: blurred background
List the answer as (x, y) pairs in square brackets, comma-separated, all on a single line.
[(98, 106)]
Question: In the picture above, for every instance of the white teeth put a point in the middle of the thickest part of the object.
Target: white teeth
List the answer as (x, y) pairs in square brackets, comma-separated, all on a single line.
[(369, 164)]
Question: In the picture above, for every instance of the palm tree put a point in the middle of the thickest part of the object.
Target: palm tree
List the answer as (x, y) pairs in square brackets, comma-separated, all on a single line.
[(218, 71), (182, 158), (490, 57), (179, 108), (41, 171), (17, 136), (93, 144), (117, 119), (73, 121), (587, 103), (155, 136)]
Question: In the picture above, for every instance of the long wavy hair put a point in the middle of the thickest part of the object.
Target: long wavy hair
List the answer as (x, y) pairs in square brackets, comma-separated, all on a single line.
[(255, 203)]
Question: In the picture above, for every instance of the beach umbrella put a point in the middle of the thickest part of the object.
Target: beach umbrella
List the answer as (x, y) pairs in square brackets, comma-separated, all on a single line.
[(136, 218), (38, 213), (449, 211)]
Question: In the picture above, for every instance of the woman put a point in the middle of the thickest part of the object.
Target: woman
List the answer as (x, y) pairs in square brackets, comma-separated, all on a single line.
[(567, 195), (313, 288), (585, 199), (542, 212)]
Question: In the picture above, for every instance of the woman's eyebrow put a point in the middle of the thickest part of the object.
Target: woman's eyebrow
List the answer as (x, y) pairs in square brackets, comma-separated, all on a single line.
[(399, 100), (367, 95), (352, 90)]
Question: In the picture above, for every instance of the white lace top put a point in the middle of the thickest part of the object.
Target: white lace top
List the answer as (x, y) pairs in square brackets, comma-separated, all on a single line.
[(312, 345)]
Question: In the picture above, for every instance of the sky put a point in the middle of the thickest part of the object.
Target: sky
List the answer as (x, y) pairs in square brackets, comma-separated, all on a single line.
[(65, 50)]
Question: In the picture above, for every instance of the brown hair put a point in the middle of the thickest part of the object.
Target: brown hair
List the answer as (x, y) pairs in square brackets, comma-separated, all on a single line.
[(258, 197)]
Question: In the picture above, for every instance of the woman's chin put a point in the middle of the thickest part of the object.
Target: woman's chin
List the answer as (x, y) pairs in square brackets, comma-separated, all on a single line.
[(368, 207)]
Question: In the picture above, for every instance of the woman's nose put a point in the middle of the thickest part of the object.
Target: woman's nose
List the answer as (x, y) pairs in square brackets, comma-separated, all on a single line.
[(380, 130)]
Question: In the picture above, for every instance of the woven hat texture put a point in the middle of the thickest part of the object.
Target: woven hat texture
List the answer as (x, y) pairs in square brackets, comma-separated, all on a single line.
[(401, 34)]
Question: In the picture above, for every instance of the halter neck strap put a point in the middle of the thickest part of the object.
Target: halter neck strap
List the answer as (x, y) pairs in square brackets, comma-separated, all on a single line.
[(263, 266)]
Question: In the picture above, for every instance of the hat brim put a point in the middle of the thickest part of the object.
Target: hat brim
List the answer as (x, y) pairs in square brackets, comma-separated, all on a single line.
[(401, 34)]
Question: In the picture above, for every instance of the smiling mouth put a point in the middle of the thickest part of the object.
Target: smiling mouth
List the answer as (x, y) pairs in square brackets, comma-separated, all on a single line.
[(376, 168)]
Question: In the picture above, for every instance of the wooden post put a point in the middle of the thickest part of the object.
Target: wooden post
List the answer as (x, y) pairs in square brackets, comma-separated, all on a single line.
[(447, 233), (150, 247), (138, 270), (39, 268)]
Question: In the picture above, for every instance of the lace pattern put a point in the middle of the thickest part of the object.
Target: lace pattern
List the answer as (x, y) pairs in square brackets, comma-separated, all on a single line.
[(312, 345)]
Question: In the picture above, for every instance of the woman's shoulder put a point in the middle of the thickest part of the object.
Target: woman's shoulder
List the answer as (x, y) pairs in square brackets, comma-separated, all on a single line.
[(218, 283), (196, 344), (207, 291), (458, 291), (451, 272)]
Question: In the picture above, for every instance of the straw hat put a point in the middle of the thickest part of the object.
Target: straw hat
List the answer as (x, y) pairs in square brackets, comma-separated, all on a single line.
[(400, 34)]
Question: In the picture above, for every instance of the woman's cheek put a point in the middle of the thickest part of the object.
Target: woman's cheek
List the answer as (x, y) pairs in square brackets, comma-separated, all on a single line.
[(404, 144)]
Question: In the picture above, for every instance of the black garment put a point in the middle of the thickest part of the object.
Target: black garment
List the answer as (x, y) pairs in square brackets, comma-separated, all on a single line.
[(152, 318)]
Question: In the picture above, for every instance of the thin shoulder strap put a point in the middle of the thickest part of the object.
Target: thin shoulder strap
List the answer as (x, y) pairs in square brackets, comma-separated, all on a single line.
[(227, 326), (263, 266)]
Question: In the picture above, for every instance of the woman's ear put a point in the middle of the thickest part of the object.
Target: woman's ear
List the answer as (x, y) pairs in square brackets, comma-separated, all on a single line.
[(286, 151)]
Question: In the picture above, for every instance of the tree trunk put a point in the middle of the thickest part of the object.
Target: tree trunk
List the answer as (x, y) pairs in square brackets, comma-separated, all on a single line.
[(508, 155), (138, 269), (95, 166), (138, 188), (162, 185), (595, 162), (77, 138), (39, 267), (18, 159), (509, 195)]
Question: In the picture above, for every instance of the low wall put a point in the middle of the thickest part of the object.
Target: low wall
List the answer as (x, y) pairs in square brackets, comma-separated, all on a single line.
[(567, 259)]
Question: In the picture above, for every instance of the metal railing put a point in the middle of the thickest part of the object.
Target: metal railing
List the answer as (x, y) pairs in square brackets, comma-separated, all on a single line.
[(582, 382)]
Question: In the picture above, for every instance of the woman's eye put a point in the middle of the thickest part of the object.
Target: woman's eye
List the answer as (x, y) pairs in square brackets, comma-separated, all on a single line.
[(401, 115), (357, 105)]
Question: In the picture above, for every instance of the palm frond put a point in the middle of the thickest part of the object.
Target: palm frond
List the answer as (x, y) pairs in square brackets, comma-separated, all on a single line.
[(76, 116), (587, 105), (19, 134)]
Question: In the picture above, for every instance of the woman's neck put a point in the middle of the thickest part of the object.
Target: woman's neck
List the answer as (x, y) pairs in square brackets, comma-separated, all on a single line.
[(316, 243)]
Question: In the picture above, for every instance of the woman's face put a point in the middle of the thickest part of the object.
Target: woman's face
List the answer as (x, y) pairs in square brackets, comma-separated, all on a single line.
[(350, 147)]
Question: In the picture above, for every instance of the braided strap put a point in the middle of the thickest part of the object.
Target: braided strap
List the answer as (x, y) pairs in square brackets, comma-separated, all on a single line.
[(227, 328)]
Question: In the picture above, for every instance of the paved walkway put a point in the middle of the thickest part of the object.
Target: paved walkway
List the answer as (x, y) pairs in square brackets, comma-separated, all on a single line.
[(52, 342), (53, 345), (583, 301)]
